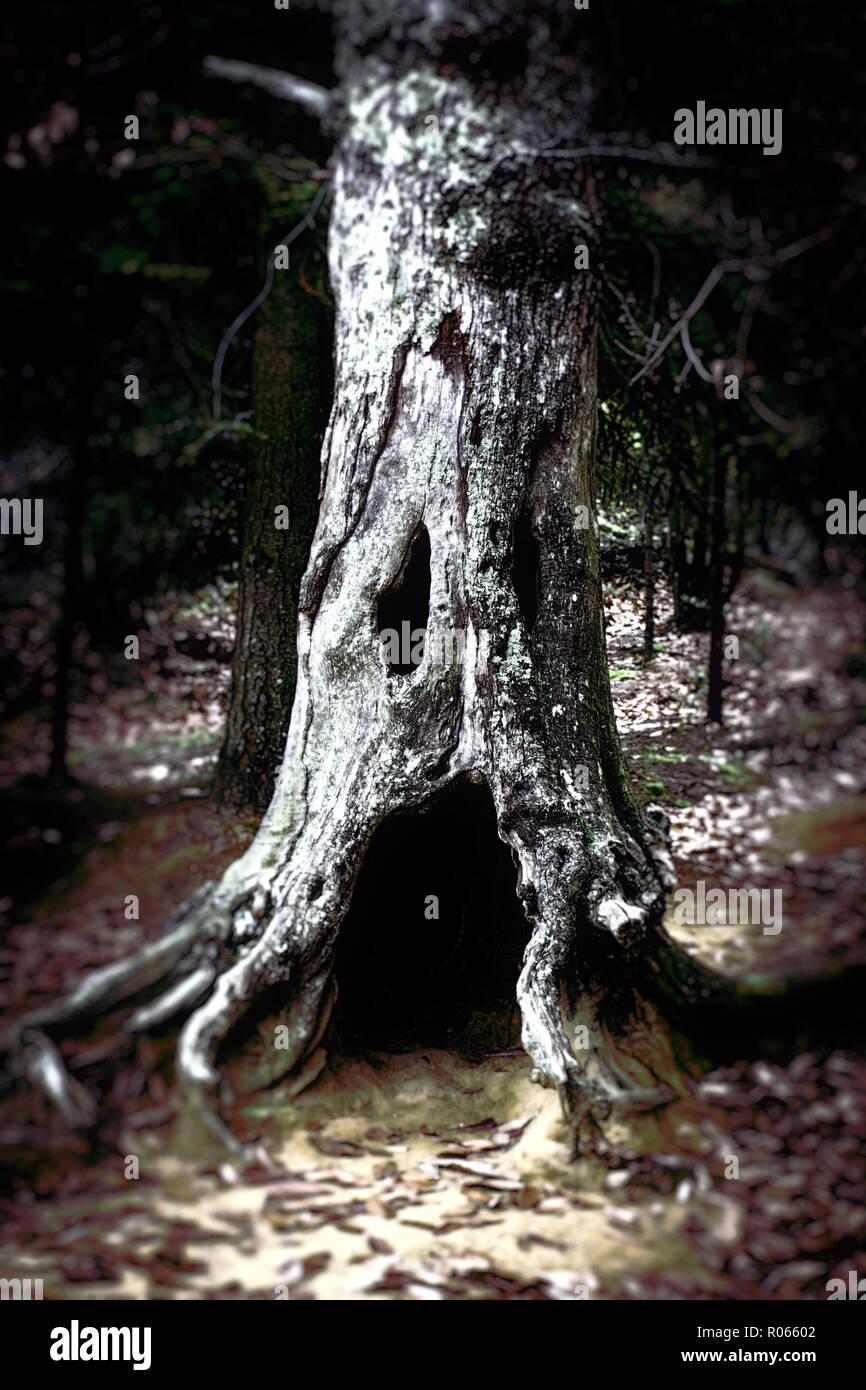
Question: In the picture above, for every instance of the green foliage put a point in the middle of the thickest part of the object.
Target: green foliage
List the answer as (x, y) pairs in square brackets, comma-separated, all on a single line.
[(622, 673)]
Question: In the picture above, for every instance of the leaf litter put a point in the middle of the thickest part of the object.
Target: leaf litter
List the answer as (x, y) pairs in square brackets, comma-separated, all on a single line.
[(430, 1176)]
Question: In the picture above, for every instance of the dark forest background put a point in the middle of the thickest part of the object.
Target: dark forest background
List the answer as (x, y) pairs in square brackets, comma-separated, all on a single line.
[(134, 257)]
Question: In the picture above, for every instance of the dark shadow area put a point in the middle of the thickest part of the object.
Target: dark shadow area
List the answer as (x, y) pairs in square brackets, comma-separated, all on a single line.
[(807, 1016), (409, 978), (404, 607), (526, 570)]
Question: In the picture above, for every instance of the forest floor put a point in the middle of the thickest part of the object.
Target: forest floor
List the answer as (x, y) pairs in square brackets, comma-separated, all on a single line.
[(429, 1174)]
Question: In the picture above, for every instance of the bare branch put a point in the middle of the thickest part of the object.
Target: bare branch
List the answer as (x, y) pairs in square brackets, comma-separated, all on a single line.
[(317, 100), (628, 351), (699, 300), (657, 154), (764, 260), (657, 276), (693, 356), (637, 331), (778, 422)]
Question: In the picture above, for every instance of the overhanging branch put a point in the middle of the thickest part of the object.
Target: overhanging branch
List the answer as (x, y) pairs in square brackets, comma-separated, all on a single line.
[(317, 100)]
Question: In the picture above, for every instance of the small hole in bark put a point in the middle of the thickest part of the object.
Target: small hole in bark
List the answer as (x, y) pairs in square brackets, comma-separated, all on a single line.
[(431, 949), (526, 569), (404, 607), (316, 889)]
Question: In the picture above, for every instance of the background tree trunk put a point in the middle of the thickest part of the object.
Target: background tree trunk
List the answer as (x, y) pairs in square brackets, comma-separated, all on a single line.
[(718, 545), (70, 606), (649, 588), (292, 387), (676, 542)]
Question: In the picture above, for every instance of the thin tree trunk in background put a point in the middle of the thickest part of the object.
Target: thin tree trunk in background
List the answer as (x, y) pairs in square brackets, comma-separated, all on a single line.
[(649, 588), (292, 385), (703, 543), (818, 527), (73, 580), (676, 544), (693, 588), (718, 541), (735, 559), (763, 542)]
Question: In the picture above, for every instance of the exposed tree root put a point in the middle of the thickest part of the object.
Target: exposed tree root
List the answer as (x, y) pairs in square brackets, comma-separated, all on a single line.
[(209, 1001)]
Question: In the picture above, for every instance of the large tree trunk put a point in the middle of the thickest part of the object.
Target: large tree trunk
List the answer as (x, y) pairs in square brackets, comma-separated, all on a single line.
[(464, 419)]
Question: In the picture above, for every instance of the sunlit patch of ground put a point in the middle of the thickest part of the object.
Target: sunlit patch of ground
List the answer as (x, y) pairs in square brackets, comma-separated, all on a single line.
[(152, 722), (426, 1177), (776, 797)]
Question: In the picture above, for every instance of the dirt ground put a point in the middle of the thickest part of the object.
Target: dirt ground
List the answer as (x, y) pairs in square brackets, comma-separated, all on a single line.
[(431, 1175)]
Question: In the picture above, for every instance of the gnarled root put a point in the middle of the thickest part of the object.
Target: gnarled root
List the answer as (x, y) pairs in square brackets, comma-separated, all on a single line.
[(229, 944), (586, 1022), (29, 1048), (185, 962)]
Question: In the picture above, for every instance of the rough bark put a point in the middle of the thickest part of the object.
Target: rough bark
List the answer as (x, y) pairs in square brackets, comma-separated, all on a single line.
[(291, 399), (464, 412)]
